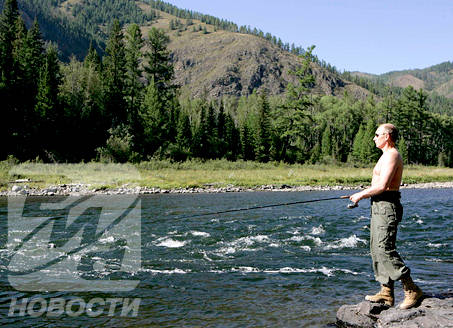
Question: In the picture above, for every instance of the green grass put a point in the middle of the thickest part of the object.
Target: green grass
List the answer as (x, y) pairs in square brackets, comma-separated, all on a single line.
[(219, 173)]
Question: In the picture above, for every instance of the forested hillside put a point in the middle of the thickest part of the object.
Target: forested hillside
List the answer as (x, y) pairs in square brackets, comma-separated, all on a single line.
[(74, 24), (126, 103), (436, 80)]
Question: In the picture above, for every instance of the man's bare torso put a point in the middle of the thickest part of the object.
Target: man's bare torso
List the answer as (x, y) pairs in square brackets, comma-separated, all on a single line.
[(395, 181)]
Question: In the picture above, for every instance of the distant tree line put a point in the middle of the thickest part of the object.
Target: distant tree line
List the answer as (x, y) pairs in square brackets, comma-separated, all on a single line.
[(123, 106)]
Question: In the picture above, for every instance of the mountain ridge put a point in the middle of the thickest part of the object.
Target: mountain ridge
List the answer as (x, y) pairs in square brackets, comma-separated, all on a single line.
[(436, 79), (239, 63)]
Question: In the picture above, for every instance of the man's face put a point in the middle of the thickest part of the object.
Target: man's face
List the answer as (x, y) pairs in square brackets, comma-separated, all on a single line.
[(380, 138)]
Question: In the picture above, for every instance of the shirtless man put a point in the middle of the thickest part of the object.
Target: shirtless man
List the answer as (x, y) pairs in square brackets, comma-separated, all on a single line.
[(386, 213)]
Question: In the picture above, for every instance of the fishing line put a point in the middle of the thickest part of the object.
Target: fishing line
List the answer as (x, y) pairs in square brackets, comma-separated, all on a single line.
[(351, 205)]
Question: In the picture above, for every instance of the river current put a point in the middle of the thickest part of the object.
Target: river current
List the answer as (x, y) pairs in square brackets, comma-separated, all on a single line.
[(288, 266)]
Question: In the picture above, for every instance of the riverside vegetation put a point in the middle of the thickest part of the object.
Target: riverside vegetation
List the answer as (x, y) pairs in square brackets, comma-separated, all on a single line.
[(205, 175), (124, 106)]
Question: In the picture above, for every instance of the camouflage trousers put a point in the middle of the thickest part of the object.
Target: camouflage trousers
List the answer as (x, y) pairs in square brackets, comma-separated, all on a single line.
[(386, 213)]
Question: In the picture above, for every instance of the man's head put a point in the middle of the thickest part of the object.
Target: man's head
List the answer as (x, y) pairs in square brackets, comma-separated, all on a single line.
[(386, 134)]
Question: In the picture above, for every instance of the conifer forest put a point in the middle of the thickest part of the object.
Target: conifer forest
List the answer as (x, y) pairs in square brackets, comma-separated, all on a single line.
[(118, 103)]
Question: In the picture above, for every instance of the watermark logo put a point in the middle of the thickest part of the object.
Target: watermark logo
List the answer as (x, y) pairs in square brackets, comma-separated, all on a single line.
[(74, 307), (85, 243)]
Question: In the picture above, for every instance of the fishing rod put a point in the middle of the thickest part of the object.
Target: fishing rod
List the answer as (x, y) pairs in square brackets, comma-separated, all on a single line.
[(350, 206)]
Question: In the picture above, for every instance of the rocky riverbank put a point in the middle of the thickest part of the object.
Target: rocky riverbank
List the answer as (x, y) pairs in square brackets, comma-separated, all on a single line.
[(78, 189), (434, 311)]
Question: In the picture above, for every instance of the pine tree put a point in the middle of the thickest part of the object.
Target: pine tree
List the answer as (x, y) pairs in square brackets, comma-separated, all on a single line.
[(159, 69), (35, 45), (263, 135), (47, 109), (184, 133), (232, 139), (221, 117), (8, 20), (92, 58), (159, 66), (10, 115), (114, 76), (247, 143), (410, 118), (29, 60), (133, 85), (154, 118), (200, 143), (294, 119)]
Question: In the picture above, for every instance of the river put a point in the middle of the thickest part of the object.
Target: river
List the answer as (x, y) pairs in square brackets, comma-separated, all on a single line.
[(288, 266)]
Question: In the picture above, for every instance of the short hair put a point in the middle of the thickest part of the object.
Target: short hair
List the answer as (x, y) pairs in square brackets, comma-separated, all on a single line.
[(391, 130)]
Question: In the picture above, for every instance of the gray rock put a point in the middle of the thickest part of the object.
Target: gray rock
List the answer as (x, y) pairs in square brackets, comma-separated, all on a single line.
[(16, 188), (51, 190), (349, 316), (434, 311)]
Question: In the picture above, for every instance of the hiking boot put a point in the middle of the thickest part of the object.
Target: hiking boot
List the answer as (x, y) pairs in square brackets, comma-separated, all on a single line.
[(385, 295), (412, 293)]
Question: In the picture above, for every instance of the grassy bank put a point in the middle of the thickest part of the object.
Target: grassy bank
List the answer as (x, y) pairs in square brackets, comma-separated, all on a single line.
[(164, 174)]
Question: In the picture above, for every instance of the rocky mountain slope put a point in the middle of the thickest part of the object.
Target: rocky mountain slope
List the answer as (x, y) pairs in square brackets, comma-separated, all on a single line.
[(207, 60), (219, 62)]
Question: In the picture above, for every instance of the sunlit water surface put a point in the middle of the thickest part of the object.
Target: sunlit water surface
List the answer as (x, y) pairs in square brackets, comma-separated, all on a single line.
[(289, 266)]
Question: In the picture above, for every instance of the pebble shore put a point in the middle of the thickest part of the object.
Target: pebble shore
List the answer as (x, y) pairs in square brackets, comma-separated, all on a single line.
[(79, 189)]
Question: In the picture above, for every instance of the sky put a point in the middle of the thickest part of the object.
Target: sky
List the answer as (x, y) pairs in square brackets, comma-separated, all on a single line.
[(372, 36)]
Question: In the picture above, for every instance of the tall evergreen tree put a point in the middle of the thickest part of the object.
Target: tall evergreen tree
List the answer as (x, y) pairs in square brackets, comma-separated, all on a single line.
[(10, 115), (154, 119), (410, 117), (247, 142), (92, 58), (232, 139), (263, 135), (8, 19), (29, 60), (221, 130), (35, 45), (200, 143), (221, 117), (47, 109), (159, 66), (114, 76), (133, 85), (294, 119), (184, 133), (159, 71)]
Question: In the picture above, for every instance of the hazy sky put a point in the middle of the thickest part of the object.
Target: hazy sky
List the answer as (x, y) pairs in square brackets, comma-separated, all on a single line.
[(373, 36)]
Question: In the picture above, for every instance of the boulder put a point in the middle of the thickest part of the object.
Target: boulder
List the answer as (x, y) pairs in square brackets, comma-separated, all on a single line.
[(433, 311), (16, 188)]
